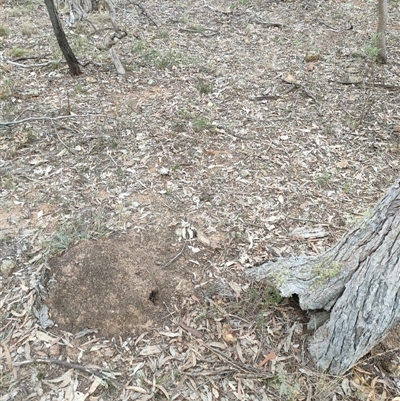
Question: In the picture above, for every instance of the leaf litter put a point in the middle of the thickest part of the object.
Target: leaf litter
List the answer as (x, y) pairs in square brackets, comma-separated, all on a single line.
[(221, 147)]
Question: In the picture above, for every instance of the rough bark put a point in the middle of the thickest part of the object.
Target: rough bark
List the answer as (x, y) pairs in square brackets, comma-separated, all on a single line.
[(72, 62), (357, 281), (382, 22)]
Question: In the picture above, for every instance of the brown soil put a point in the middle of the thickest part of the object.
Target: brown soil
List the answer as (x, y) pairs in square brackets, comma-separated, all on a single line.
[(119, 286)]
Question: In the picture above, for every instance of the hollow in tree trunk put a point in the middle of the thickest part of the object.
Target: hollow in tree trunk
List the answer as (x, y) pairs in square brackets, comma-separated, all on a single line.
[(357, 282), (72, 62)]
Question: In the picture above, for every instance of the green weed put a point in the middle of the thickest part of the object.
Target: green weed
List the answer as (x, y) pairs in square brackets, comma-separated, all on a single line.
[(18, 52), (89, 224), (370, 50), (3, 31), (323, 179), (169, 60), (80, 88), (6, 88), (205, 88), (27, 29), (201, 124)]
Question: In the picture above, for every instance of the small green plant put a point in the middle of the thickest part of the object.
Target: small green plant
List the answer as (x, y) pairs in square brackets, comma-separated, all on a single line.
[(89, 224), (179, 126), (323, 179), (18, 11), (347, 188), (238, 3), (169, 60), (201, 124), (371, 50), (56, 65), (27, 29), (162, 34), (205, 88), (139, 46), (80, 88), (18, 52), (6, 88), (286, 384), (3, 31), (40, 376)]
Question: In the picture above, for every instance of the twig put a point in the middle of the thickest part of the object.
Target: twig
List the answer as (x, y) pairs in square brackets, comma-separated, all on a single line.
[(28, 66), (203, 32), (269, 24), (68, 365), (243, 368), (66, 146), (376, 84), (306, 91), (317, 222), (217, 10), (336, 29), (175, 257), (24, 120), (144, 12)]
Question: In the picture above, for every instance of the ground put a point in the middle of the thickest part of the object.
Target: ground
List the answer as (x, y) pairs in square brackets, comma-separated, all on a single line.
[(132, 205)]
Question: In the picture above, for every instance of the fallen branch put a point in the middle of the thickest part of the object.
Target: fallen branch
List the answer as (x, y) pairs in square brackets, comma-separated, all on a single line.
[(144, 12), (217, 10), (24, 120), (29, 66), (359, 83), (296, 85), (205, 32), (68, 365)]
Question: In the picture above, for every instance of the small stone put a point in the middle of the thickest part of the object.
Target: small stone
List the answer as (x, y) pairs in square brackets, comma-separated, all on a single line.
[(7, 266), (245, 173), (311, 57), (163, 171)]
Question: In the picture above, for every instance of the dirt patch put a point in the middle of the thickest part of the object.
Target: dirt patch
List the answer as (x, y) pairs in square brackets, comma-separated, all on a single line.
[(121, 286)]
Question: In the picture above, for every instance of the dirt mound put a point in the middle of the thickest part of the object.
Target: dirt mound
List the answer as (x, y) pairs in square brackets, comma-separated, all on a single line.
[(120, 286)]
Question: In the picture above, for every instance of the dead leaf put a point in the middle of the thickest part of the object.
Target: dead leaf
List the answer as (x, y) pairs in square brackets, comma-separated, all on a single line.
[(310, 66), (342, 164), (290, 78), (170, 334), (203, 239), (150, 350), (228, 334), (137, 389), (269, 357), (191, 330), (217, 345)]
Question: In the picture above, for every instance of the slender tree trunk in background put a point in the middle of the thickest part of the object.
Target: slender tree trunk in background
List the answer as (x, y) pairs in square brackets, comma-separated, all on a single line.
[(72, 62), (357, 283), (383, 15)]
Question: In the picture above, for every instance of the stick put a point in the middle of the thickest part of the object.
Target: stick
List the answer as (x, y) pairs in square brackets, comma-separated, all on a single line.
[(24, 120), (175, 257), (69, 365)]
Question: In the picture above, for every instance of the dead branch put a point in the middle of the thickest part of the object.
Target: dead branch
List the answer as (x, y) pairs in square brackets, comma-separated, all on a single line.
[(144, 12), (65, 364), (24, 120)]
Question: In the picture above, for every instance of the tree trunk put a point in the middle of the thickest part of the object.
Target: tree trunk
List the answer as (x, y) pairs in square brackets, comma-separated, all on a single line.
[(357, 282), (383, 14), (72, 62)]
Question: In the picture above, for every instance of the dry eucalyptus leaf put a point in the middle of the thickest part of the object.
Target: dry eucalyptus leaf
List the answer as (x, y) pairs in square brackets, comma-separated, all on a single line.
[(150, 350)]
